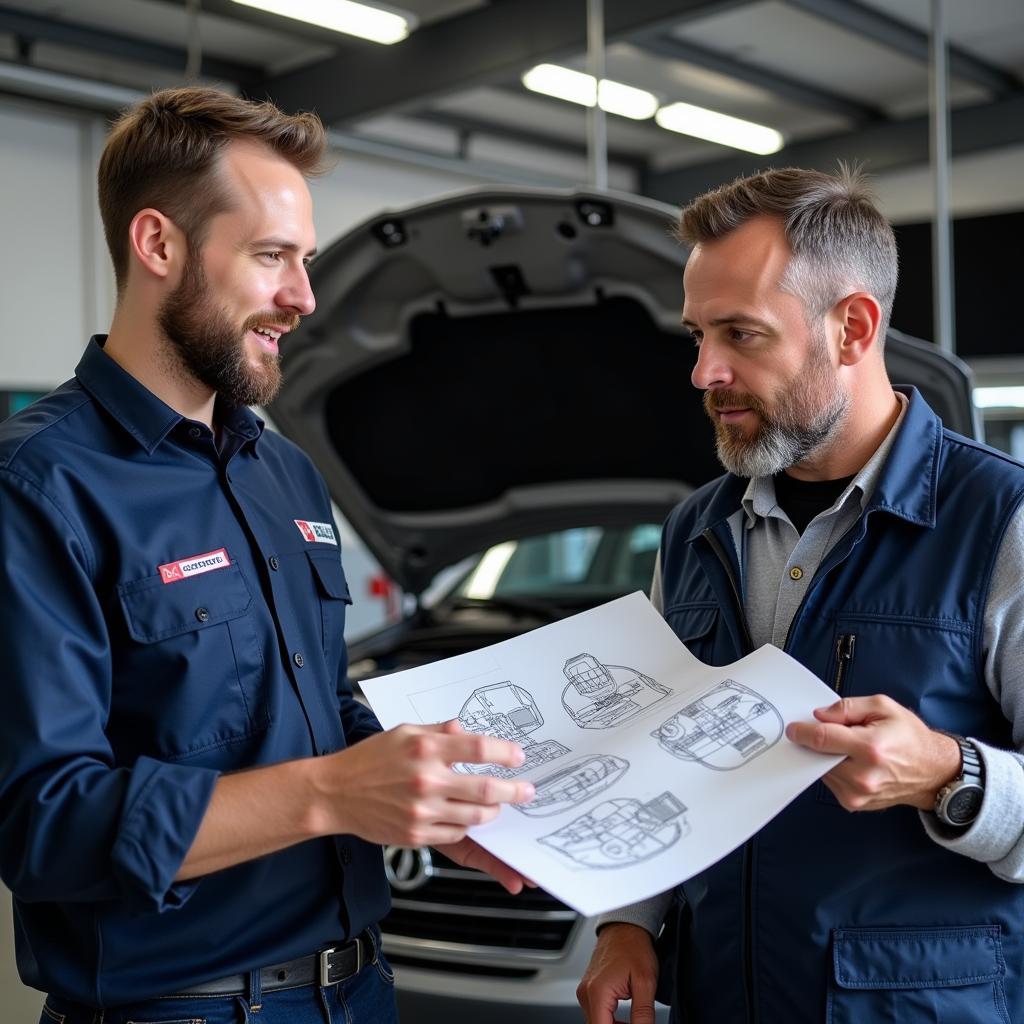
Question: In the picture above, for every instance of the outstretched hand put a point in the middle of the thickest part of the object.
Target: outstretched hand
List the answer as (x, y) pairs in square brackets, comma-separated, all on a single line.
[(398, 787), (892, 757)]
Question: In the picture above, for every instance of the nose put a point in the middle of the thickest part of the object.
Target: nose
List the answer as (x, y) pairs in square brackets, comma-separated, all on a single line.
[(712, 369), (295, 293)]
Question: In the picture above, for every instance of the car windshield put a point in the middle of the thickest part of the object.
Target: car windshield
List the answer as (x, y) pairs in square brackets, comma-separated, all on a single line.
[(585, 561)]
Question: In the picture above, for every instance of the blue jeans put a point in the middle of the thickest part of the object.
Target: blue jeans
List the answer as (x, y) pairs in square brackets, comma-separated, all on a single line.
[(366, 998)]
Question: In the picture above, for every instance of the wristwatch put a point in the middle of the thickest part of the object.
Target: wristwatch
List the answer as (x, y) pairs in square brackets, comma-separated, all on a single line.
[(959, 801)]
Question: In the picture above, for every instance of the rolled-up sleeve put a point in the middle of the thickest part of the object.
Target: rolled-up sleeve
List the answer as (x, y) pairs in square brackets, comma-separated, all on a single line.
[(75, 826)]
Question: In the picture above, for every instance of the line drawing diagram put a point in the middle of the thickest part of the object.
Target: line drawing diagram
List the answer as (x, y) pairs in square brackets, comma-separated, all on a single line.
[(510, 713), (724, 729), (620, 832), (569, 785), (600, 696)]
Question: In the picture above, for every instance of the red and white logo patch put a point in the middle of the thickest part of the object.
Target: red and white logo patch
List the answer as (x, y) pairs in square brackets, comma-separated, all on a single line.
[(172, 572), (317, 533)]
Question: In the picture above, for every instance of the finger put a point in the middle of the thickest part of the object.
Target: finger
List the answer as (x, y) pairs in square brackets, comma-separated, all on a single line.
[(823, 737), (488, 791), (851, 710), (475, 748)]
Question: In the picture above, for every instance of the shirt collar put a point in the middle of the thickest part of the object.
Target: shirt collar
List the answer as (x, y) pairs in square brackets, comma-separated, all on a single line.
[(759, 499), (147, 418)]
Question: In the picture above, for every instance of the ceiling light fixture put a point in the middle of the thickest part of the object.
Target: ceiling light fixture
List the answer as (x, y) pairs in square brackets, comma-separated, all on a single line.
[(1006, 397), (701, 123), (379, 26), (578, 87)]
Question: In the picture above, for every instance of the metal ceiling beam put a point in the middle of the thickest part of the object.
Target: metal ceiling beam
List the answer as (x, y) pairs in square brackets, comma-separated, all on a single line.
[(479, 126), (113, 44), (802, 93), (912, 42), (484, 45), (879, 147)]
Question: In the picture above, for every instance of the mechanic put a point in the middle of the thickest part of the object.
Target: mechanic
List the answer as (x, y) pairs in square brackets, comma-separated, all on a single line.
[(192, 797), (885, 554)]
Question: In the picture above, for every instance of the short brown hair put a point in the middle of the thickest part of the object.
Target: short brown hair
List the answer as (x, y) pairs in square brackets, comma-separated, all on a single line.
[(163, 153), (840, 240)]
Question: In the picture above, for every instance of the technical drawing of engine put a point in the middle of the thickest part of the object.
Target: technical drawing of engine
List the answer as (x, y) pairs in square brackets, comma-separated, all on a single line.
[(621, 832), (599, 696), (510, 713), (725, 729), (571, 784)]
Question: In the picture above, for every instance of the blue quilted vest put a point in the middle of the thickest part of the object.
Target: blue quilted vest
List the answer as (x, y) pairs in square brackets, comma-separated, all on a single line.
[(826, 915)]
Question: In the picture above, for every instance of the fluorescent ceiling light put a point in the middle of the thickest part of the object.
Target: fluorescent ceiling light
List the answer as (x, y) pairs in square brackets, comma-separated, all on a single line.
[(999, 398), (346, 16), (721, 128), (577, 87)]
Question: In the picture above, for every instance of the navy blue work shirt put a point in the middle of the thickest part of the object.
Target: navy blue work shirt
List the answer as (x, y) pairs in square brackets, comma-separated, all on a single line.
[(171, 608)]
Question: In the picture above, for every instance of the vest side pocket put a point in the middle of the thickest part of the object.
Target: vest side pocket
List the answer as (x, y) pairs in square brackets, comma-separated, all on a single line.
[(938, 974)]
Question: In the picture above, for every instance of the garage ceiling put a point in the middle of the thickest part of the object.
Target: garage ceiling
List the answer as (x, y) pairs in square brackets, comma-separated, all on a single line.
[(838, 78)]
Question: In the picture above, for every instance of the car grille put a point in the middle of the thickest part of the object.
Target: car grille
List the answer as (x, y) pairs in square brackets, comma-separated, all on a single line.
[(460, 916)]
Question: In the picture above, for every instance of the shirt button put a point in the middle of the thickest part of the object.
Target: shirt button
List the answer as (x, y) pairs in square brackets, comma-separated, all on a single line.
[(346, 855), (202, 614), (274, 563), (298, 659), (796, 573), (194, 432)]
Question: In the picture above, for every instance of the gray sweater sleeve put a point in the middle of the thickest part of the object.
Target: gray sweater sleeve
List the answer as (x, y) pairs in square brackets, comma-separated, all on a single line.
[(651, 912), (996, 837)]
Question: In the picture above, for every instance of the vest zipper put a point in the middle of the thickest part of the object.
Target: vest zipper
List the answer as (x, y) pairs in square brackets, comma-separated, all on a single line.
[(844, 657), (748, 848)]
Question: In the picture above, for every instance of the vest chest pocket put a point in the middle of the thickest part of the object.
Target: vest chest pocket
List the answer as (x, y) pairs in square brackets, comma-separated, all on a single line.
[(694, 624), (941, 975), (192, 676), (334, 598)]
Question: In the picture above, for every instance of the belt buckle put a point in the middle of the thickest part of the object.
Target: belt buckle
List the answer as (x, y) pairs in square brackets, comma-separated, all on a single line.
[(325, 964)]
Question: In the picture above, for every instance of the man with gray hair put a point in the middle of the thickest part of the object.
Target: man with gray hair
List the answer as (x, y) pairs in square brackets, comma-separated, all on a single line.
[(884, 552)]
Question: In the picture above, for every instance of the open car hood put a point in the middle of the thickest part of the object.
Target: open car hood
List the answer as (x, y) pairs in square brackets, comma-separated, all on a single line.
[(503, 362)]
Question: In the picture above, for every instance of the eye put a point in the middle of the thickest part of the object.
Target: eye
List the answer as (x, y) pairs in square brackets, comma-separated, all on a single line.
[(271, 257), (696, 337), (738, 334)]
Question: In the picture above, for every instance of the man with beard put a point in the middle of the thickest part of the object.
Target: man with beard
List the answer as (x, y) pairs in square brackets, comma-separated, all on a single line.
[(192, 800), (885, 553)]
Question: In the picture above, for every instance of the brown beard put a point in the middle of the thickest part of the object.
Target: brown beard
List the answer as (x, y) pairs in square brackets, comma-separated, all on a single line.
[(211, 348)]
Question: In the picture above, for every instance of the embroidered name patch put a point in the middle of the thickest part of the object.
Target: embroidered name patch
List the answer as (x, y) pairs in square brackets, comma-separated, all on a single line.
[(317, 533), (172, 572)]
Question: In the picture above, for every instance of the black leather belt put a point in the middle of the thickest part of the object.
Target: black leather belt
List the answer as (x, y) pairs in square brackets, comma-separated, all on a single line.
[(328, 967)]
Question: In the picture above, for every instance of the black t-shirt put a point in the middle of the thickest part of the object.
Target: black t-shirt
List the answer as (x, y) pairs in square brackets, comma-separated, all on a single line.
[(802, 500)]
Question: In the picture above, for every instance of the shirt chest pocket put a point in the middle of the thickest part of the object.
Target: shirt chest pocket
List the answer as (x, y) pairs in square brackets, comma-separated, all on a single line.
[(191, 676), (334, 598)]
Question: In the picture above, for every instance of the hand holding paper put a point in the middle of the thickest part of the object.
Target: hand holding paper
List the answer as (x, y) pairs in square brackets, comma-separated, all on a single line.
[(648, 765)]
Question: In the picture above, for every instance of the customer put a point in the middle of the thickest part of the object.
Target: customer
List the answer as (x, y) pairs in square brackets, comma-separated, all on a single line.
[(192, 800), (885, 554)]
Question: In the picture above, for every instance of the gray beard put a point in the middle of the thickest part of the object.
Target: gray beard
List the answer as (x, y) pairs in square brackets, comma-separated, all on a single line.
[(778, 446)]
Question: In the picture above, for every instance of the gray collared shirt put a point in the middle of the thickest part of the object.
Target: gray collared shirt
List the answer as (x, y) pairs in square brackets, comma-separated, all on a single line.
[(776, 562)]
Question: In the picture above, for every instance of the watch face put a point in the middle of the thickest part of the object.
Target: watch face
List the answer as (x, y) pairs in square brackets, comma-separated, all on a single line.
[(964, 804)]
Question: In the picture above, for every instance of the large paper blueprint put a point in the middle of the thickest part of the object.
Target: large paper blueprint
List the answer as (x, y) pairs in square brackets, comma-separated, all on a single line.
[(649, 766)]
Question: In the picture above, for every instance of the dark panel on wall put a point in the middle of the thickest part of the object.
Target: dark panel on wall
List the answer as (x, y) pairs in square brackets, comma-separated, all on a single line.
[(989, 257)]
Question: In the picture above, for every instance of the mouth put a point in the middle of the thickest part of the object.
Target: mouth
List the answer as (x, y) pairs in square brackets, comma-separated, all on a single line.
[(267, 338), (732, 415)]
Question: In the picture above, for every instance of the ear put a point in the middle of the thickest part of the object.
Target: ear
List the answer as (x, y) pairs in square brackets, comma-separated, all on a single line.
[(860, 316), (157, 246)]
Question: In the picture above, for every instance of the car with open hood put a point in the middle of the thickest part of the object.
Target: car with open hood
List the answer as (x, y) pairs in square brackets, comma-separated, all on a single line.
[(497, 381)]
